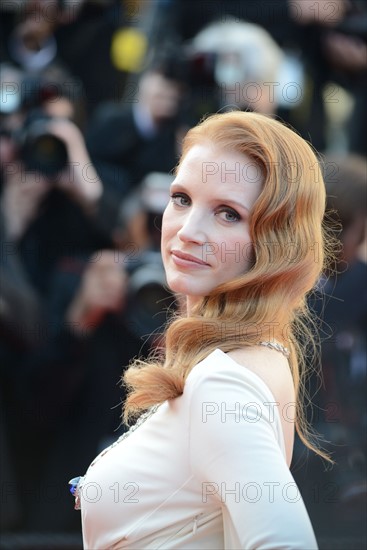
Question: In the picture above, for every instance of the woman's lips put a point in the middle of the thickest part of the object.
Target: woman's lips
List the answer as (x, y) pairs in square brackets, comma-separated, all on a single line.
[(186, 260)]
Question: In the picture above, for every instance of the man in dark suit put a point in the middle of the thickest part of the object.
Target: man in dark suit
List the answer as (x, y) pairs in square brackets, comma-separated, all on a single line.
[(129, 140)]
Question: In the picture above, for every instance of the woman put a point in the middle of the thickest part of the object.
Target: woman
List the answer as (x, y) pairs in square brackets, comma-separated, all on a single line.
[(207, 464)]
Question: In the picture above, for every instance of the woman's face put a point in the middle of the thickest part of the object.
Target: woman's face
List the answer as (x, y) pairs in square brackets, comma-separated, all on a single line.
[(205, 229)]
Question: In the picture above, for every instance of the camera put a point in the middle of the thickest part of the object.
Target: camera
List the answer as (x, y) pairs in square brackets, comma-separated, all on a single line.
[(39, 149), (148, 295), (30, 96)]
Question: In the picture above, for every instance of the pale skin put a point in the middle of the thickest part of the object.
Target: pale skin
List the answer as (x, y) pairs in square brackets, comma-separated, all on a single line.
[(207, 219), (273, 368), (206, 242)]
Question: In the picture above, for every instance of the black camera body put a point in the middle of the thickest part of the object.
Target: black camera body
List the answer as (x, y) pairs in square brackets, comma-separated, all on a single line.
[(148, 294), (39, 149)]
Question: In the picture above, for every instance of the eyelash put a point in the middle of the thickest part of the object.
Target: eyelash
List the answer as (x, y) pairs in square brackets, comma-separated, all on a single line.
[(225, 209), (175, 196), (232, 212)]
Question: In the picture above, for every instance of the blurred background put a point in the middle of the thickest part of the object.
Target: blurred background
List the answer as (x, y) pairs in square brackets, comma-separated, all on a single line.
[(95, 97)]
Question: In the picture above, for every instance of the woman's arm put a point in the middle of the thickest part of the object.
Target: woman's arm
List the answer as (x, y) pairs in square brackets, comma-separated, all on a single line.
[(235, 452)]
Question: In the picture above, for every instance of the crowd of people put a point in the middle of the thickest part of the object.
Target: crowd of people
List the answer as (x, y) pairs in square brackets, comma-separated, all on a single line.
[(95, 100)]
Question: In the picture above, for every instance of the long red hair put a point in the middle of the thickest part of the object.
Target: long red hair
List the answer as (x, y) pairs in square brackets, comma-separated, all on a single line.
[(269, 300)]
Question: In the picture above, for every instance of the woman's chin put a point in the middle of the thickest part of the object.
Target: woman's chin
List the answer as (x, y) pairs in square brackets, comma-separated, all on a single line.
[(178, 286)]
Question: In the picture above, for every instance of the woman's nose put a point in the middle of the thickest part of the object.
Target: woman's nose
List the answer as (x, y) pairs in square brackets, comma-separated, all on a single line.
[(193, 228)]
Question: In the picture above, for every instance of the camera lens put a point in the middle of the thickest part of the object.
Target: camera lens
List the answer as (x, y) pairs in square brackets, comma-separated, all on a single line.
[(45, 153), (148, 295)]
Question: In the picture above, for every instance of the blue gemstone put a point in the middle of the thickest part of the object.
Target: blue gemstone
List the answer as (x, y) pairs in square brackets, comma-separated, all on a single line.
[(73, 484)]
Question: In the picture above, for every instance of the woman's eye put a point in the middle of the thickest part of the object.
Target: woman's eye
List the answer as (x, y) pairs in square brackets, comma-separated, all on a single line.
[(229, 215), (180, 199)]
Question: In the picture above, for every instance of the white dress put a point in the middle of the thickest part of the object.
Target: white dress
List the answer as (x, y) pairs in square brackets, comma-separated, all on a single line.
[(206, 470)]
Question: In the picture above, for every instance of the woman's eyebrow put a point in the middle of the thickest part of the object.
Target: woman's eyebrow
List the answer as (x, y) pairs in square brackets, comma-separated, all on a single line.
[(232, 201), (176, 185)]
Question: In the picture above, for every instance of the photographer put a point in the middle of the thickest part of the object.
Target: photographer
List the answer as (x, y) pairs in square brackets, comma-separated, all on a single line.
[(53, 201), (54, 213)]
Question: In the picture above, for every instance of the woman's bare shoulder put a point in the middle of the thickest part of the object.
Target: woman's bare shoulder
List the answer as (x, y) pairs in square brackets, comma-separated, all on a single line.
[(271, 366)]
